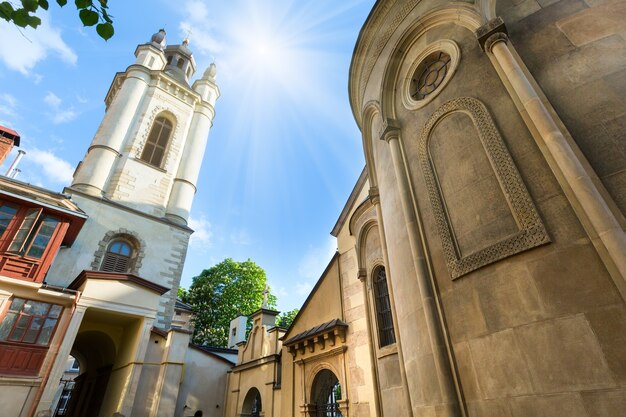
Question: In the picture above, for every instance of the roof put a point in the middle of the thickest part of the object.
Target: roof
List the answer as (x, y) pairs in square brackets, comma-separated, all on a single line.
[(114, 276), (322, 328), (350, 203), (312, 292), (5, 132), (212, 351), (57, 203), (182, 306)]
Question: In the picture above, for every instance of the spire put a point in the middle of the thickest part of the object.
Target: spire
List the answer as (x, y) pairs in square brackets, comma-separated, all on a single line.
[(210, 72)]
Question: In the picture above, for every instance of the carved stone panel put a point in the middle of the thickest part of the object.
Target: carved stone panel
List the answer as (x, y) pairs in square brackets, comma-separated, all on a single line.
[(482, 208)]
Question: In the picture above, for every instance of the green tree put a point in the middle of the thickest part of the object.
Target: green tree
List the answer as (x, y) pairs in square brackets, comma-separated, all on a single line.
[(285, 319), (221, 293), (90, 12)]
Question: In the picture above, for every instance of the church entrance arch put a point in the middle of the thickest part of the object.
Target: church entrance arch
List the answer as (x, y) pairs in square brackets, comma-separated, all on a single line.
[(96, 353), (252, 405), (325, 395)]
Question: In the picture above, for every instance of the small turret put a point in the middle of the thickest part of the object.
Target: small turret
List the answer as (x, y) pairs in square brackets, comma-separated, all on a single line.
[(206, 85), (180, 62), (151, 54)]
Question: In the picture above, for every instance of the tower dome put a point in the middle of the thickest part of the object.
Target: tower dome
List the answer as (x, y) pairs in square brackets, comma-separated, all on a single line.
[(159, 39)]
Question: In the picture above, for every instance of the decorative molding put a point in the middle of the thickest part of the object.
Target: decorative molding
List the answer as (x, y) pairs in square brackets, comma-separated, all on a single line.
[(389, 130), (169, 152), (495, 38), (491, 32), (444, 45), (138, 243), (532, 232)]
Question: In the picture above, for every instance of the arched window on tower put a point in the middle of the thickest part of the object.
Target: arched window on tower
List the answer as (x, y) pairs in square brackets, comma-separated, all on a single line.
[(156, 145), (384, 319), (118, 257)]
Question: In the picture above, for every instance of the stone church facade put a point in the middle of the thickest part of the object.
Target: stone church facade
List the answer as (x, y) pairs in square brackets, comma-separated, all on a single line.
[(481, 256), (481, 264)]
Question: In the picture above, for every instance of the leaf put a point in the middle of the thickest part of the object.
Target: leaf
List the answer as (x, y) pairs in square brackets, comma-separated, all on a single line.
[(105, 30), (34, 21), (30, 5), (82, 4), (88, 17), (6, 10), (61, 2), (43, 4), (20, 17)]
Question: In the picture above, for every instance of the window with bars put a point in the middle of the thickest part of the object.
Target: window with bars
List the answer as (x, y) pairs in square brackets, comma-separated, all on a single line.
[(384, 318), (156, 145), (31, 322), (118, 257)]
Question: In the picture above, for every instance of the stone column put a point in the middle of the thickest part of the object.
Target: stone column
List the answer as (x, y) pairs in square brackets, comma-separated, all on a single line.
[(595, 215), (93, 173), (436, 337), (127, 396), (45, 406), (184, 187), (375, 198), (171, 372)]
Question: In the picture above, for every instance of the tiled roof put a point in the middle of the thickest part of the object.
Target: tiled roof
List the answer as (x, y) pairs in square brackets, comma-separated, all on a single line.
[(322, 328)]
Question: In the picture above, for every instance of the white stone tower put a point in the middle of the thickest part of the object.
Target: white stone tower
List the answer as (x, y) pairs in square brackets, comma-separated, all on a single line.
[(149, 147), (138, 178)]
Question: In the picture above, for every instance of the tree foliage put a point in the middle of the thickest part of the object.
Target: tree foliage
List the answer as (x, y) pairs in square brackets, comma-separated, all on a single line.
[(221, 293), (285, 319), (90, 13)]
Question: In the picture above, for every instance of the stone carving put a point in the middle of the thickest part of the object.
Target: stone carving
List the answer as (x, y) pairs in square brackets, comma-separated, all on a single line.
[(133, 237), (532, 232)]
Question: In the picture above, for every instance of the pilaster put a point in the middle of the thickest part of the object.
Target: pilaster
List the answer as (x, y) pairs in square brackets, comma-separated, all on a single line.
[(580, 188)]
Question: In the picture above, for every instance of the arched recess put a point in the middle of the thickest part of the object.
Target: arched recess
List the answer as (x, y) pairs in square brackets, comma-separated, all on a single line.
[(96, 352), (252, 404), (461, 14), (371, 118), (326, 395), (133, 238), (158, 112)]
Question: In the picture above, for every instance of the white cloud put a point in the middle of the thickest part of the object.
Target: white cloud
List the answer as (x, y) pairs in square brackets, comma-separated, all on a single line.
[(241, 237), (55, 168), (23, 49), (8, 105), (202, 238), (58, 113), (313, 264), (197, 23), (52, 99)]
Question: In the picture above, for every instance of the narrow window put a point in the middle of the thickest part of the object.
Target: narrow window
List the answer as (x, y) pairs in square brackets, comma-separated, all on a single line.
[(180, 63), (24, 230), (31, 322), (7, 212), (38, 242), (117, 257), (156, 144), (386, 335)]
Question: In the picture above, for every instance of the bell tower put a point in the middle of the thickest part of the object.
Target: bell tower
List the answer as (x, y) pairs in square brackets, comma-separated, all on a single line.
[(148, 150)]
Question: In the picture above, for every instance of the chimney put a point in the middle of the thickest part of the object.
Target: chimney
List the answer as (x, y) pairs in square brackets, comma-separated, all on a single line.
[(8, 139)]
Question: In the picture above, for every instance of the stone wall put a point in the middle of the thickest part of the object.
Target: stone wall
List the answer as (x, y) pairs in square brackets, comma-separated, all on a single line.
[(533, 329), (576, 50)]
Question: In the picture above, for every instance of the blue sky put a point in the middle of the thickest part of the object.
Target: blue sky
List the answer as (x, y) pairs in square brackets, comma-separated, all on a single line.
[(284, 151)]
